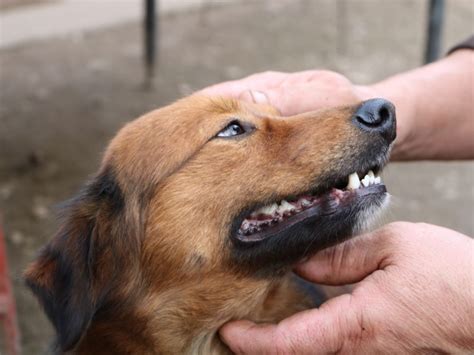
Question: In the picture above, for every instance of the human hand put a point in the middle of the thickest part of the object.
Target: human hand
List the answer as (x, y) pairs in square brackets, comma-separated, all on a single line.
[(310, 91), (294, 93), (415, 295)]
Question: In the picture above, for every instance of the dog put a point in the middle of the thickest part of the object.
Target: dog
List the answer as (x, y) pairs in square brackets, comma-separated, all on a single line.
[(196, 217)]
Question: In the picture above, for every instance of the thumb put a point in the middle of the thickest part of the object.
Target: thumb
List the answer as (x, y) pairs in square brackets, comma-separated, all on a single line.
[(245, 337), (316, 331), (350, 261)]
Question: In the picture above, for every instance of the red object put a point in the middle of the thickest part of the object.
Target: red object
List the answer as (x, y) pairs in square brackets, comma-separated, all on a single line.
[(7, 304)]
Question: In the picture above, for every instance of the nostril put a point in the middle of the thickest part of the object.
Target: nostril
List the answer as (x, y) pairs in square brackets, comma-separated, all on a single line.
[(368, 119), (384, 114), (376, 115), (373, 115)]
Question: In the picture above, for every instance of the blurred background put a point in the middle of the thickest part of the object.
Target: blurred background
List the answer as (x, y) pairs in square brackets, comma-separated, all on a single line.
[(72, 72)]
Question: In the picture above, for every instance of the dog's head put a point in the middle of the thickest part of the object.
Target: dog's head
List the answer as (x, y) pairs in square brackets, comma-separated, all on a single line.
[(211, 186)]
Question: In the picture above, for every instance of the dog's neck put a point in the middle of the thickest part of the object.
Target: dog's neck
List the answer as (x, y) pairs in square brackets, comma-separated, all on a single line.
[(186, 320)]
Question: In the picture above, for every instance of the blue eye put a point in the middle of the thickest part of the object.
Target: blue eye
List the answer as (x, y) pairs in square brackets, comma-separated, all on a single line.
[(233, 129)]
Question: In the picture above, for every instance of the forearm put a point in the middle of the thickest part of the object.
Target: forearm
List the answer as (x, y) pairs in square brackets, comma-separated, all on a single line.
[(434, 109)]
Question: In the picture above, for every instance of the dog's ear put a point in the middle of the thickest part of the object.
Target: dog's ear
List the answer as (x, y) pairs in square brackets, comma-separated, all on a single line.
[(61, 280), (73, 273)]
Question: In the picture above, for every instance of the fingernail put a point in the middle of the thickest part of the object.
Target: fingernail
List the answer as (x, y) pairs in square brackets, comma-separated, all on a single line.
[(259, 97), (254, 96)]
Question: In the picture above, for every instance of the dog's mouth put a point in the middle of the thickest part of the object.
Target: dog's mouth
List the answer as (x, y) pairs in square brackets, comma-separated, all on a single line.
[(346, 193)]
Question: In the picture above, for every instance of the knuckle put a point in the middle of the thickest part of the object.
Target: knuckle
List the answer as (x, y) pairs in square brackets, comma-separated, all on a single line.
[(400, 225), (387, 239), (335, 257), (271, 73), (422, 226), (396, 229), (422, 230), (401, 238), (325, 78), (407, 229), (330, 77)]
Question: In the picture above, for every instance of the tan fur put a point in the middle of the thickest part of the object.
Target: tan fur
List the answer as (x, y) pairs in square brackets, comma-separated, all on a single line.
[(180, 286)]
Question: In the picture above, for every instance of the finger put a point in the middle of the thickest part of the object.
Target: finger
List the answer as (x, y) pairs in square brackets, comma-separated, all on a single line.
[(245, 337), (350, 261), (316, 331), (258, 97), (227, 89), (258, 82)]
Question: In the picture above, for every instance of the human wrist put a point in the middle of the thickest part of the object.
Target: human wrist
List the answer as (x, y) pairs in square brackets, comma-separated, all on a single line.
[(426, 99), (402, 93)]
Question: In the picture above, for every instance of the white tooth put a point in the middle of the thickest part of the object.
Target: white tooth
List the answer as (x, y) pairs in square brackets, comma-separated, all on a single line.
[(378, 180), (371, 176), (305, 202), (268, 210), (366, 181), (285, 206), (354, 182), (274, 207)]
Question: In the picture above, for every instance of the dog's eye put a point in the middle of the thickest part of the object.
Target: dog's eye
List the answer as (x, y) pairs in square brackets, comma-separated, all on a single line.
[(233, 129)]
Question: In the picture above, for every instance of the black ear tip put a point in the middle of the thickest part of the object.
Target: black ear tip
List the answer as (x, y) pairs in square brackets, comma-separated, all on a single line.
[(62, 291)]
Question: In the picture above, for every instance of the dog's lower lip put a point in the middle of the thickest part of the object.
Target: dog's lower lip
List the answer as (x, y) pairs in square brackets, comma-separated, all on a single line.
[(327, 204)]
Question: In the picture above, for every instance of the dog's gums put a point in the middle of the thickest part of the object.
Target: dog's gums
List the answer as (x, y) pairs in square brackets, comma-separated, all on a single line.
[(277, 216)]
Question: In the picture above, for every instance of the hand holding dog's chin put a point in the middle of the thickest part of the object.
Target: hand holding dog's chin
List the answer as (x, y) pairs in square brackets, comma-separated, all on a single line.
[(414, 295)]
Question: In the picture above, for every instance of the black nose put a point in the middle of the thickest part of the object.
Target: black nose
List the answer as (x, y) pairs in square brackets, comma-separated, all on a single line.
[(377, 115)]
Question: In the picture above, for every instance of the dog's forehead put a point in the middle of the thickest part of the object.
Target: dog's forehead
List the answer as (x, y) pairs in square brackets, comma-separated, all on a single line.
[(157, 143)]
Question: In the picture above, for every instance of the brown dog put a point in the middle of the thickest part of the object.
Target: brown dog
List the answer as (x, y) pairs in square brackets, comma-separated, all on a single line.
[(197, 215)]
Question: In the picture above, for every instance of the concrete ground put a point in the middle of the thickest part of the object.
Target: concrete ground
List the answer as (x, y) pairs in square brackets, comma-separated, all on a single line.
[(62, 99), (49, 18)]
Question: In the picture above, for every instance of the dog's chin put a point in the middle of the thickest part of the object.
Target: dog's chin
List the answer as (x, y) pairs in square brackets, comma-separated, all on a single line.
[(330, 219)]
